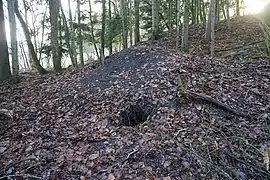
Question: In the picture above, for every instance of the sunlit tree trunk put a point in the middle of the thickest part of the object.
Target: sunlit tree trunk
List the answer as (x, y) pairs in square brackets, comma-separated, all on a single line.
[(54, 6), (29, 56), (102, 38), (155, 20), (80, 40), (4, 59), (30, 45), (185, 26), (123, 5), (137, 21), (13, 38), (92, 30), (73, 52)]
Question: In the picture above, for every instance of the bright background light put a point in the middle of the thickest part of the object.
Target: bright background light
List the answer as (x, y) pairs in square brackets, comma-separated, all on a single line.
[(255, 6)]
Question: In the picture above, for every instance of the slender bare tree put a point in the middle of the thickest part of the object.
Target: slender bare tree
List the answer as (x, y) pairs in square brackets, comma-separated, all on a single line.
[(13, 38), (4, 59)]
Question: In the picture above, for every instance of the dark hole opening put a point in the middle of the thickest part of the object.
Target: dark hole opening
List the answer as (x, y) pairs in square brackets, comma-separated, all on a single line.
[(134, 114)]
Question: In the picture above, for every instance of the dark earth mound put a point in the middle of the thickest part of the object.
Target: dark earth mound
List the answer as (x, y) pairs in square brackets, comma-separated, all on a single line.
[(73, 125)]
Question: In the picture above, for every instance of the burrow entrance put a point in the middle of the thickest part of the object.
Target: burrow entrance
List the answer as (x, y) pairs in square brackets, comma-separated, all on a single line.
[(136, 113)]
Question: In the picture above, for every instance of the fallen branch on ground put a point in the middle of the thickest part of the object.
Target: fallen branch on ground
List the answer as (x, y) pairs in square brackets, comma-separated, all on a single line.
[(217, 103), (21, 175)]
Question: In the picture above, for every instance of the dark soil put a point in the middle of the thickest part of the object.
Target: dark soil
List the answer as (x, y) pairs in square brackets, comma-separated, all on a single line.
[(74, 125)]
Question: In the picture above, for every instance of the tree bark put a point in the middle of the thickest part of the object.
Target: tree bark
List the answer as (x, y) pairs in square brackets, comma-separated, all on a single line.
[(155, 20), (72, 37), (237, 4), (137, 21), (80, 40), (13, 38), (213, 19), (178, 24), (102, 38), (54, 14), (130, 22), (208, 25), (203, 13), (185, 26), (4, 58), (110, 28), (123, 5), (228, 14), (170, 16)]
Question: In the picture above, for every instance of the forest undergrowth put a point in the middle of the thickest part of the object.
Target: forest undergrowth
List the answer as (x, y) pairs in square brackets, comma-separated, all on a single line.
[(125, 120)]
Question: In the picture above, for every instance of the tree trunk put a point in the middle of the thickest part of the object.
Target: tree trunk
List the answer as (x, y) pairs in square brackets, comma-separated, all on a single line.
[(30, 45), (80, 40), (25, 60), (42, 37), (202, 12), (137, 21), (155, 20), (178, 24), (185, 26), (29, 56), (237, 4), (192, 10), (13, 38), (54, 14), (92, 30), (213, 19), (102, 38), (123, 6), (228, 14), (170, 16), (110, 28), (73, 53), (208, 25), (130, 23), (217, 10), (4, 58), (67, 37)]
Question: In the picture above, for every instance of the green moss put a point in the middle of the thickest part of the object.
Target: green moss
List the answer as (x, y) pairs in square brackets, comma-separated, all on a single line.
[(181, 92)]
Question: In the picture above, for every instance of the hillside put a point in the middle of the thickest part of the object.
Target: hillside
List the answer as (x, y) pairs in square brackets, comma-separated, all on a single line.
[(83, 123)]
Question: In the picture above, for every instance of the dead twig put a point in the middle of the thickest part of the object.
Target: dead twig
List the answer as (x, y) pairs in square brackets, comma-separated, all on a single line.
[(20, 175)]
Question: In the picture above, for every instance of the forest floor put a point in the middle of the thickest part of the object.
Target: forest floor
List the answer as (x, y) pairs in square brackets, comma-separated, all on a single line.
[(79, 124)]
